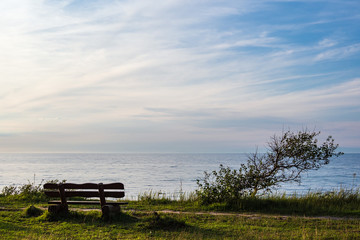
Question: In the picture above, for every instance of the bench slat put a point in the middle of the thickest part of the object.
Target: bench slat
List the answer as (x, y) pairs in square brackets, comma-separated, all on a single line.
[(84, 186), (112, 194), (88, 202)]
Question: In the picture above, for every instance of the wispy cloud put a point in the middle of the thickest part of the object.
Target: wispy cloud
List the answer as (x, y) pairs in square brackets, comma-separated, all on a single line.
[(202, 73), (339, 53), (325, 43)]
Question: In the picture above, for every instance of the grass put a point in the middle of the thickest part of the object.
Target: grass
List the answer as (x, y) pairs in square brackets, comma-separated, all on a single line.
[(341, 203), (145, 225), (22, 216)]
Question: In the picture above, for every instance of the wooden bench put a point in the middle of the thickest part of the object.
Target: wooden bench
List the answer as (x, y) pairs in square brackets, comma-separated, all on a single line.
[(87, 190)]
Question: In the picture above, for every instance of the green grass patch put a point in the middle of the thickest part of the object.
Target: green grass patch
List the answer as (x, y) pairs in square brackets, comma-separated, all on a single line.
[(145, 225), (268, 217), (336, 203)]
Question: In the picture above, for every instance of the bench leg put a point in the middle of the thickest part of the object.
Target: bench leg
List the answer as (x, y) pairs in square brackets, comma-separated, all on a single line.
[(58, 208), (110, 210)]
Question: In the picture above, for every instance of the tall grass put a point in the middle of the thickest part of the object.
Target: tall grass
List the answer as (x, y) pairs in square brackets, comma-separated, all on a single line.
[(341, 202), (30, 192), (338, 202), (159, 196)]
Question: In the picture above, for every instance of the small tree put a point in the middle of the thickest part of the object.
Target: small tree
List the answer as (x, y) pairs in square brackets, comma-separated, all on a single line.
[(288, 156)]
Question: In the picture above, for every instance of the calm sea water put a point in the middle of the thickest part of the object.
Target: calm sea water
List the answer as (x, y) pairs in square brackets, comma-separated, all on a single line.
[(169, 173)]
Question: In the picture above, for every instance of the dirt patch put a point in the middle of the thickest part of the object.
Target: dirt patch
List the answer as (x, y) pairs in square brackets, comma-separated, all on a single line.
[(247, 215)]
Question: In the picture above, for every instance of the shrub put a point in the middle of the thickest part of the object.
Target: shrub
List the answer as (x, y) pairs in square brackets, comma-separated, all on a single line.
[(33, 211)]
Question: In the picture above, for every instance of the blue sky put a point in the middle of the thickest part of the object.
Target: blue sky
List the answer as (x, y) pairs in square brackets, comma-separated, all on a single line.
[(176, 75)]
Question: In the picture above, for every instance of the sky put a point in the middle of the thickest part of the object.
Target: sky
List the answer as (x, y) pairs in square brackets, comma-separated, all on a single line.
[(176, 75)]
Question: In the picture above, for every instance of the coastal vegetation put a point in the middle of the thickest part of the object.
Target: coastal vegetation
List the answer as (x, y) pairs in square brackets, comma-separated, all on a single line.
[(288, 156), (330, 215)]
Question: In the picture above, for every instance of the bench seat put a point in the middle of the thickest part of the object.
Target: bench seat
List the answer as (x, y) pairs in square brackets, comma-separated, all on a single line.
[(87, 202)]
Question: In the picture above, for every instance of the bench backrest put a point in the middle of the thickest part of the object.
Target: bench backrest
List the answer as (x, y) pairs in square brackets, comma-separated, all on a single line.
[(65, 190)]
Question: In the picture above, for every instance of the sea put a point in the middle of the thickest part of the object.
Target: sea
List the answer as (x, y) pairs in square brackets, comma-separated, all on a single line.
[(159, 173)]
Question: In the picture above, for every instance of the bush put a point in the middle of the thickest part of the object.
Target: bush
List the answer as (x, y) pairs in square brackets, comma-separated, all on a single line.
[(33, 211), (225, 185)]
